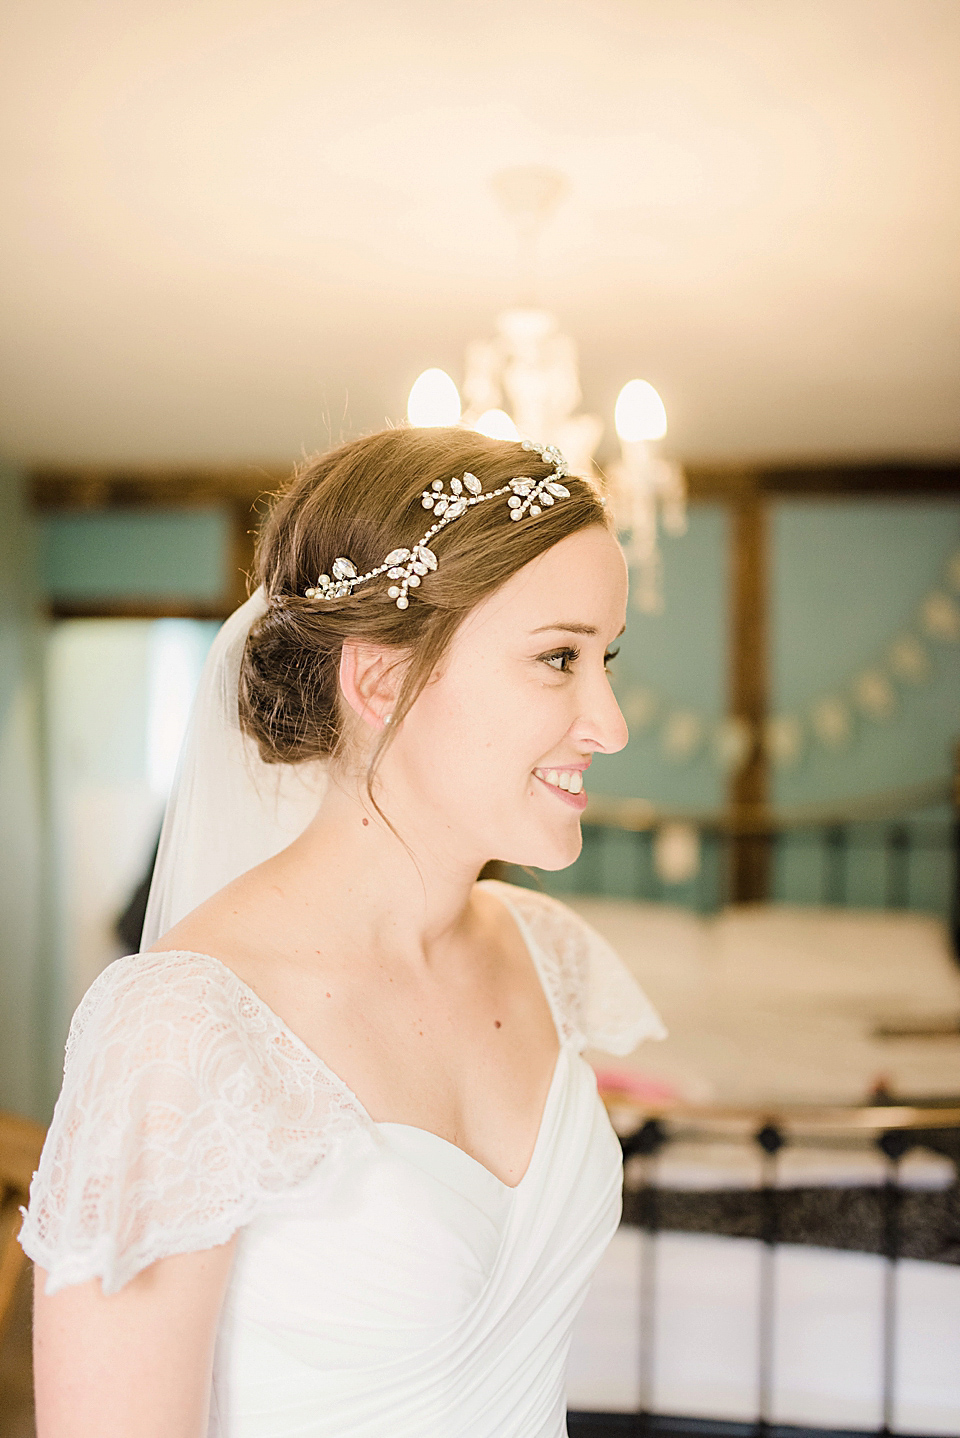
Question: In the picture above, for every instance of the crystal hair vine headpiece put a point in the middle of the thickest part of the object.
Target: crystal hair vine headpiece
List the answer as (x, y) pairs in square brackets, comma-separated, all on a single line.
[(408, 566)]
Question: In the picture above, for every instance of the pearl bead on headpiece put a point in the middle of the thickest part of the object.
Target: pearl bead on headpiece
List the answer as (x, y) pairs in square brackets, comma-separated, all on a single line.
[(409, 566)]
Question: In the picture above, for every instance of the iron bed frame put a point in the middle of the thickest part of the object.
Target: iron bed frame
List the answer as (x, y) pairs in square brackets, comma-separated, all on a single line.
[(644, 1133), (877, 827)]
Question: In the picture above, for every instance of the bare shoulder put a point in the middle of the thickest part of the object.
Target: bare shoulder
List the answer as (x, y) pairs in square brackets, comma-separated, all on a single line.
[(266, 931), (230, 926)]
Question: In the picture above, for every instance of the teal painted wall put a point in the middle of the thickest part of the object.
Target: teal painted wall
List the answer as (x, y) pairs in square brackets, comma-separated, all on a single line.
[(147, 553), (681, 656), (25, 1007), (848, 578)]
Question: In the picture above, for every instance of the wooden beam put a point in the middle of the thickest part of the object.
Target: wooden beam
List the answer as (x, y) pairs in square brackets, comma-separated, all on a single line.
[(891, 479), (128, 486), (86, 487), (749, 687), (136, 606)]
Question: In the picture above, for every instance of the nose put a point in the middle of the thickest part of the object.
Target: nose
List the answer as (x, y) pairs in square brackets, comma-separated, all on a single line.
[(600, 723)]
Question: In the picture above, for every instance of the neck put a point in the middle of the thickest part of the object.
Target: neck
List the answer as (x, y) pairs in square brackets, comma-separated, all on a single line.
[(407, 893)]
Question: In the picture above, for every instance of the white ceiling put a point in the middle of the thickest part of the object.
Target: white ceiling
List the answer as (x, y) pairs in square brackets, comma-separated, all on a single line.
[(235, 228)]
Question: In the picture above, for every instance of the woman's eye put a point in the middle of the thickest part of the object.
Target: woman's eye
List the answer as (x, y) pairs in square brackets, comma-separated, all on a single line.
[(561, 659), (609, 657)]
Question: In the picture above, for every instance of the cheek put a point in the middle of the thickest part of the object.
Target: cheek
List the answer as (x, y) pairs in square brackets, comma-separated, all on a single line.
[(447, 730), (479, 726)]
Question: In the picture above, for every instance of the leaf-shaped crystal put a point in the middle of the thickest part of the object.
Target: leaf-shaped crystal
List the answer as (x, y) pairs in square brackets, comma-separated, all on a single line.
[(457, 508), (397, 556), (426, 556), (560, 491), (521, 486), (472, 483), (344, 569), (456, 486)]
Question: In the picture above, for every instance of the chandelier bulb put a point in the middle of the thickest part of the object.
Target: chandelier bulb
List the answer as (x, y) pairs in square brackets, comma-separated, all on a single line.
[(639, 413), (434, 400), (496, 424)]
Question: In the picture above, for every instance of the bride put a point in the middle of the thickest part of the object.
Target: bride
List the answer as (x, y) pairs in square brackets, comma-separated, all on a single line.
[(327, 1161)]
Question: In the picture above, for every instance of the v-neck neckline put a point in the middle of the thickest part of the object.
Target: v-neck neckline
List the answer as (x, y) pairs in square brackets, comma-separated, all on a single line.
[(537, 1143), (333, 1079)]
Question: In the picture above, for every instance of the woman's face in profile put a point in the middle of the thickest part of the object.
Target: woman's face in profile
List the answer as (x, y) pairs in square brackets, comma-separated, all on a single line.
[(521, 699)]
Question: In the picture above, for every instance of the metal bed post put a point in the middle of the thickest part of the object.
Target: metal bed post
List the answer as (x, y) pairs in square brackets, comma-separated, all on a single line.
[(770, 1140), (645, 1144), (955, 896), (835, 875), (898, 866), (893, 1144)]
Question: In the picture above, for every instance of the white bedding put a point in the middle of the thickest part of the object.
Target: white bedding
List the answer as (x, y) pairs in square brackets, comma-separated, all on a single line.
[(828, 1335), (775, 1004), (771, 1003)]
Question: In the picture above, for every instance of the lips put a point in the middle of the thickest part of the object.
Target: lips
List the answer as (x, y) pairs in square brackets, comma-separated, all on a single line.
[(565, 784), (569, 779)]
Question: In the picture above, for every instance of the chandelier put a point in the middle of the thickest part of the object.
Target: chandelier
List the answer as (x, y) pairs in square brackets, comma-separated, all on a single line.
[(524, 383)]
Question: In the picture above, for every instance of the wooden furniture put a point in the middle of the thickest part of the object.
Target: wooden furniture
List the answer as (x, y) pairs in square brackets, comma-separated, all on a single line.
[(20, 1143)]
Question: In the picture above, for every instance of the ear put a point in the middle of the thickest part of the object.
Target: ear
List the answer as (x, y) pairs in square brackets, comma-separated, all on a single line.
[(370, 678)]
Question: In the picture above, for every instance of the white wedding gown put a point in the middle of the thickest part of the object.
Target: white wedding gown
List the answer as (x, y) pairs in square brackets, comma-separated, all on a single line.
[(385, 1282)]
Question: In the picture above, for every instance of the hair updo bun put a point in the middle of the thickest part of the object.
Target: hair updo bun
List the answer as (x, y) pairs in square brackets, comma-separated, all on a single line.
[(362, 500)]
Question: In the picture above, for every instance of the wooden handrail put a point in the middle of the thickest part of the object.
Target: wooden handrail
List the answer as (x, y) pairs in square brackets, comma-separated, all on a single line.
[(797, 1118), (638, 815)]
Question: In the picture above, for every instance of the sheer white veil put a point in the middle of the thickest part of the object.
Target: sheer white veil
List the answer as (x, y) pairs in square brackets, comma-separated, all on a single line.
[(228, 810)]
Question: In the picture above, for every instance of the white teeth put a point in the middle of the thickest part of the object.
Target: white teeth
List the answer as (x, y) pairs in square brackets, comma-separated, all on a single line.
[(571, 780)]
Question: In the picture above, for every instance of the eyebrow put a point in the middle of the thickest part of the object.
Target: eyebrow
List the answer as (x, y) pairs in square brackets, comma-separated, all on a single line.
[(587, 629)]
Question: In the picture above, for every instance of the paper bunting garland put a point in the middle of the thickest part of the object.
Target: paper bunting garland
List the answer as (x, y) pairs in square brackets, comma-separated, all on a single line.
[(829, 721)]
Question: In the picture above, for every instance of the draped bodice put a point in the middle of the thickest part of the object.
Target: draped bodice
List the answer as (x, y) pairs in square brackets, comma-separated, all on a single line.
[(411, 1282), (384, 1281)]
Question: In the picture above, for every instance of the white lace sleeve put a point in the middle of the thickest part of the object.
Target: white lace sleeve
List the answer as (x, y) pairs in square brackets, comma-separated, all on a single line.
[(186, 1105), (596, 1000)]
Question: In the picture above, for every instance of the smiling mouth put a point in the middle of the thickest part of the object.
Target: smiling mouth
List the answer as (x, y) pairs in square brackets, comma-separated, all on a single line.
[(569, 780), (565, 784)]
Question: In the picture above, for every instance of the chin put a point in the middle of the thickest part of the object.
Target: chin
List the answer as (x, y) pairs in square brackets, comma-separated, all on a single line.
[(549, 851)]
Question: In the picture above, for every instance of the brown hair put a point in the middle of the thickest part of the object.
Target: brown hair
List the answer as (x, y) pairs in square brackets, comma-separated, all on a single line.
[(361, 501)]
